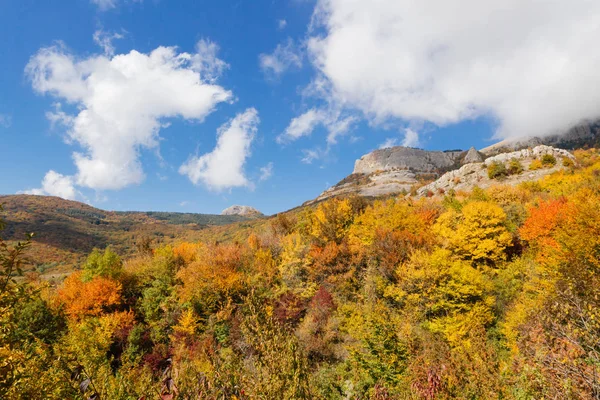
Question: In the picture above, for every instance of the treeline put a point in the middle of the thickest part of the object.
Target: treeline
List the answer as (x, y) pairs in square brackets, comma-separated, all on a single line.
[(491, 294)]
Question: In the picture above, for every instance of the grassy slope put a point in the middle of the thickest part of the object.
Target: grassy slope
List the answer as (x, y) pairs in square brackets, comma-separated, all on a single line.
[(65, 231)]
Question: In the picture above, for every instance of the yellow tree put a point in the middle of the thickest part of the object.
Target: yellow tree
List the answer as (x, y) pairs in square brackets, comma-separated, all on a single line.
[(331, 220), (478, 233)]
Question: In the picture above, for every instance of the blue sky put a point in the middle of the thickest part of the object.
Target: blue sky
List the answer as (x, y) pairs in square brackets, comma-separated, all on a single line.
[(261, 103)]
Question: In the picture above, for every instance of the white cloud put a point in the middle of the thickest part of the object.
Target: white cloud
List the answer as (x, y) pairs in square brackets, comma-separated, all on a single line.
[(389, 142), (5, 120), (121, 103), (338, 126), (311, 155), (104, 40), (281, 24), (411, 138), (206, 60), (108, 4), (303, 125), (530, 65), (223, 168), (55, 184), (284, 57), (266, 172)]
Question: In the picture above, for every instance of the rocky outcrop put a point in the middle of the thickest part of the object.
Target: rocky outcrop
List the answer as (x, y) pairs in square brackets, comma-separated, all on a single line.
[(398, 169), (475, 174), (395, 170), (245, 211), (472, 156), (399, 158)]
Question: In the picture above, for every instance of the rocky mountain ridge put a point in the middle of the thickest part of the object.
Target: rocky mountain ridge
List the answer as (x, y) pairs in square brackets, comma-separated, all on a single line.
[(476, 174), (399, 169)]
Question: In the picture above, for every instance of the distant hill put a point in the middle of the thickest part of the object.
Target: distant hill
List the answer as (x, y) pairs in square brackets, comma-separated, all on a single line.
[(66, 231), (245, 211)]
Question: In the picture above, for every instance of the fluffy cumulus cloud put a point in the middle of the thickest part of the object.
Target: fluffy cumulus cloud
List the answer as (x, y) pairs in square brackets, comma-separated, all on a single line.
[(334, 122), (284, 57), (531, 66), (122, 102), (223, 168), (55, 184)]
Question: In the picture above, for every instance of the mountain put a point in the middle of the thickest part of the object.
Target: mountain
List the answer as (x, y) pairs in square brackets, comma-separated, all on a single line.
[(401, 169), (581, 136), (478, 173), (397, 170), (66, 231), (245, 211)]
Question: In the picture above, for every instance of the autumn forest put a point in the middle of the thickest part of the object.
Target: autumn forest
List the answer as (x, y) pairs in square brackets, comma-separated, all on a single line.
[(486, 294)]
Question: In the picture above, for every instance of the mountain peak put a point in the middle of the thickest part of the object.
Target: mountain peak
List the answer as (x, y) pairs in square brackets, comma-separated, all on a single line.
[(245, 211)]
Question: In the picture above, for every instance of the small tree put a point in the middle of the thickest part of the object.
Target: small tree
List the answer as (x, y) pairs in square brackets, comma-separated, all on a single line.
[(107, 265), (515, 167), (548, 160), (496, 170)]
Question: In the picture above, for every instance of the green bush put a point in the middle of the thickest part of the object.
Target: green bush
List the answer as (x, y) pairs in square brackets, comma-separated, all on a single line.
[(515, 167), (496, 170), (548, 160)]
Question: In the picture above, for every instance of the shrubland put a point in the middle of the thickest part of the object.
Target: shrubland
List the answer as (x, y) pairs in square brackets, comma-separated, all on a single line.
[(490, 294)]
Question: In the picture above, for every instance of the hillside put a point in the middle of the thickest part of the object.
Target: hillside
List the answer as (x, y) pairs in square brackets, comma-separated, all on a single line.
[(486, 294), (66, 231)]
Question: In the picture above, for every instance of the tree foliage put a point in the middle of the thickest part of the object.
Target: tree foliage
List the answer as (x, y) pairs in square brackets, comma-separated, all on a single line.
[(490, 294)]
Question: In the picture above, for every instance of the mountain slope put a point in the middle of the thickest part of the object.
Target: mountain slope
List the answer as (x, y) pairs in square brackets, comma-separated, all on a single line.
[(66, 231)]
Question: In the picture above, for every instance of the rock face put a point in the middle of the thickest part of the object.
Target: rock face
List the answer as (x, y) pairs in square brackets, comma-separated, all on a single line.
[(245, 211), (472, 156), (398, 169), (394, 158), (394, 170), (475, 174)]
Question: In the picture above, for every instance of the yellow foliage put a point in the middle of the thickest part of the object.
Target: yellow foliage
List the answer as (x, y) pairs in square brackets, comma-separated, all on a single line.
[(331, 220), (478, 233), (387, 215), (215, 275), (294, 261), (188, 252), (264, 266), (188, 323), (535, 165), (453, 295)]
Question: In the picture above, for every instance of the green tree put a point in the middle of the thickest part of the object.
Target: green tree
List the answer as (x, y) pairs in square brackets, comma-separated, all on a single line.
[(106, 264)]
